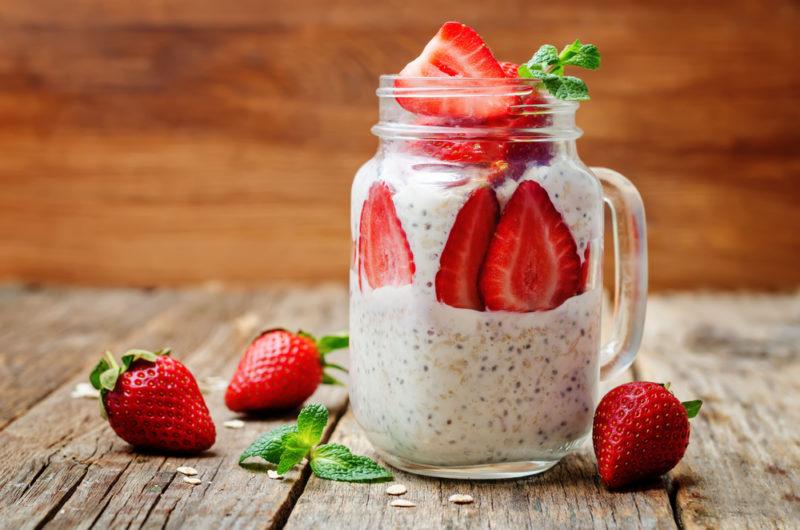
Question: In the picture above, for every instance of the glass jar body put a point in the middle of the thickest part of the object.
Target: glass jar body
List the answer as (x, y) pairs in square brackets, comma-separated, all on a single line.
[(466, 392)]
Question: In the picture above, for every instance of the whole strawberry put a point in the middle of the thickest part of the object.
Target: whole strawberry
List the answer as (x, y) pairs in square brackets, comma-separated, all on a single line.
[(640, 431), (152, 402), (280, 370)]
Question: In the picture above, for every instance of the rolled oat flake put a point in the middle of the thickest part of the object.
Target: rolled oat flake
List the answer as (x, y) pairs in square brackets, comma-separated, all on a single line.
[(461, 498), (402, 503), (396, 489), (191, 480), (186, 470)]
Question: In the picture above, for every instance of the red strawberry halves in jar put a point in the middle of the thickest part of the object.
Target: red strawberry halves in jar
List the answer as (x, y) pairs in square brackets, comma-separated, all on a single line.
[(475, 302)]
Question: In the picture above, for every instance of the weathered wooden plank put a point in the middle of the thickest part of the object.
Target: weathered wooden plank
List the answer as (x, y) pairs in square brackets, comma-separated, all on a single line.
[(123, 118), (63, 434), (740, 354), (47, 336), (93, 479), (567, 496)]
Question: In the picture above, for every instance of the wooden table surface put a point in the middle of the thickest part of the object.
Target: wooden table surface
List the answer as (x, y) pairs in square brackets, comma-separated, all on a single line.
[(61, 466)]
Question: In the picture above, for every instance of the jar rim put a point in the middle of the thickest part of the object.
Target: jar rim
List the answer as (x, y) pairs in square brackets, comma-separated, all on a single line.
[(448, 87), (396, 121)]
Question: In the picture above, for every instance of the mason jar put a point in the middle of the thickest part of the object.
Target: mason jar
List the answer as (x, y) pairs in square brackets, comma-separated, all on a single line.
[(476, 279)]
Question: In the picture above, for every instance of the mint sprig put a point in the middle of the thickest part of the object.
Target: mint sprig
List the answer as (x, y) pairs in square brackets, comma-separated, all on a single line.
[(548, 65), (336, 462), (288, 445)]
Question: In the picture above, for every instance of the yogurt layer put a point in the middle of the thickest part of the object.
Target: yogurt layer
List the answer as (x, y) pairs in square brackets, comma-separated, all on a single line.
[(439, 385)]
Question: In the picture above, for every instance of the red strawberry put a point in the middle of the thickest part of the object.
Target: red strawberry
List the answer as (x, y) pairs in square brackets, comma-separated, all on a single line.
[(466, 151), (460, 263), (532, 263), (384, 254), (152, 402), (640, 431), (510, 69), (455, 51), (584, 278), (280, 370)]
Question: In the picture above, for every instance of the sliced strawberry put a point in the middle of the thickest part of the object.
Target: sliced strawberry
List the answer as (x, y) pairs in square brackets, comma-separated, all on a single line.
[(460, 263), (385, 256), (466, 151), (584, 279), (455, 51), (532, 263), (510, 69)]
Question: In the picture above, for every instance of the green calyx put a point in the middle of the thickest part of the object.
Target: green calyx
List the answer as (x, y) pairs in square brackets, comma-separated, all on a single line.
[(325, 345), (692, 407), (288, 445), (106, 372), (548, 65)]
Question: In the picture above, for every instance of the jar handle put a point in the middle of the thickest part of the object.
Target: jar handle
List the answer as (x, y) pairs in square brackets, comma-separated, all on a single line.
[(630, 272)]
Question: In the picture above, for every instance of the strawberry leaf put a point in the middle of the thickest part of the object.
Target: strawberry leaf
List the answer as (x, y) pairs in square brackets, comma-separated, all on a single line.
[(336, 462), (692, 407), (94, 377), (328, 343), (328, 379)]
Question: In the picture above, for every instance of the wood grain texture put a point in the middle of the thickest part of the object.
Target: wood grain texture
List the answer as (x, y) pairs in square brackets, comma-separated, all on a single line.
[(153, 143), (569, 496), (741, 356), (62, 465)]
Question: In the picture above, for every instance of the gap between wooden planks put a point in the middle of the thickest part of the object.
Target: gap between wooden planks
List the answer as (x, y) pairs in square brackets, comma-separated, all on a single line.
[(62, 467)]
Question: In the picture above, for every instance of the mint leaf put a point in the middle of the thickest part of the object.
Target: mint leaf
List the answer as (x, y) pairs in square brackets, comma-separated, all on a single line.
[(328, 343), (548, 65), (692, 407), (269, 446), (295, 448), (546, 55), (310, 424), (585, 56), (572, 89), (336, 462)]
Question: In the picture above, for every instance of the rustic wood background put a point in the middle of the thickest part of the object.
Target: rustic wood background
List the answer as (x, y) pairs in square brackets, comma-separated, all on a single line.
[(157, 142)]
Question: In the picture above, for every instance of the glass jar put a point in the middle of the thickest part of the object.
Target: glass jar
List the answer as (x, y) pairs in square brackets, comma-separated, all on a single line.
[(476, 282)]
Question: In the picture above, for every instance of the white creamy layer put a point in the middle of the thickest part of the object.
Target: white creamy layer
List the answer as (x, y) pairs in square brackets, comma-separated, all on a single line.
[(447, 386)]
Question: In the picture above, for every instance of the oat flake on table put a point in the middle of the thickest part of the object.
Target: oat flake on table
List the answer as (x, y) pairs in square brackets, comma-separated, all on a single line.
[(234, 424), (460, 498), (396, 489), (402, 503), (84, 390), (191, 480), (186, 470)]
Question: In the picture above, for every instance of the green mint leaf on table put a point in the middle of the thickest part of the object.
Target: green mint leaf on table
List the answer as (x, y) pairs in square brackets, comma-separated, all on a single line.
[(692, 407), (548, 65), (295, 448), (287, 445), (269, 446), (336, 462), (310, 424)]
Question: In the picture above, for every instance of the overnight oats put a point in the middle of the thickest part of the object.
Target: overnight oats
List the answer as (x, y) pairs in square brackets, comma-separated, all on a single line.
[(475, 285)]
